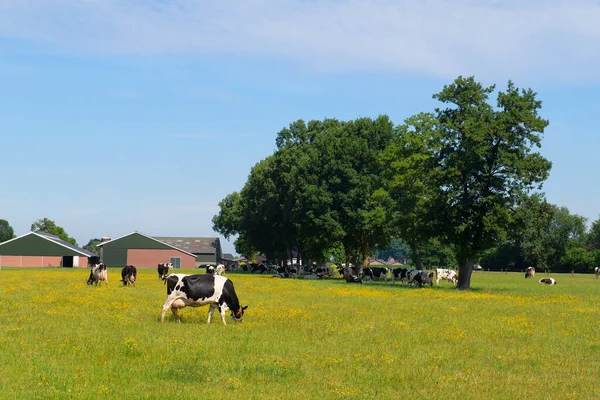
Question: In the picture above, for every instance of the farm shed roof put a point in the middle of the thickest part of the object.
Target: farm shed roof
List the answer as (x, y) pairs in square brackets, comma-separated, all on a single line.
[(157, 242), (41, 243), (204, 245)]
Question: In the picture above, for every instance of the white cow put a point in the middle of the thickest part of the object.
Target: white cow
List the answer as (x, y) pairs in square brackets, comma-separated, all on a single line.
[(548, 281), (597, 272), (445, 274)]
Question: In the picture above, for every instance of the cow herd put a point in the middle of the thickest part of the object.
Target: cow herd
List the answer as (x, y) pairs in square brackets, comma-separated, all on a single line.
[(406, 276), (212, 289)]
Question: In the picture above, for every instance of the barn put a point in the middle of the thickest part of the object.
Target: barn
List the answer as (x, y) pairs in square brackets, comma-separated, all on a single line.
[(143, 251), (40, 249), (206, 249)]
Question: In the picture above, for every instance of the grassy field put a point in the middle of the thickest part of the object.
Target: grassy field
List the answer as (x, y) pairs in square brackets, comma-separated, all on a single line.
[(508, 338)]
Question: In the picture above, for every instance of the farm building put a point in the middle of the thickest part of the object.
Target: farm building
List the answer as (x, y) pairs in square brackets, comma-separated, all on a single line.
[(39, 249), (144, 251), (206, 249)]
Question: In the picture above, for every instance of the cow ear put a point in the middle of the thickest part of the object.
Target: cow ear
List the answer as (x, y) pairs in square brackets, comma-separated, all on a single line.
[(243, 308)]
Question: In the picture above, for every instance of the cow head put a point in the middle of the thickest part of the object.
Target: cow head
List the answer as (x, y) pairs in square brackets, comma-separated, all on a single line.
[(238, 316)]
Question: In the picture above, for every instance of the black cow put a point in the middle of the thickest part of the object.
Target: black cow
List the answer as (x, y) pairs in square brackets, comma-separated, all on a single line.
[(400, 273), (420, 277), (371, 273), (199, 290), (163, 270), (129, 275)]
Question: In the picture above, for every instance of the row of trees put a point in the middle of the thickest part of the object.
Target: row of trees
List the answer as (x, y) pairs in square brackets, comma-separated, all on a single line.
[(464, 176)]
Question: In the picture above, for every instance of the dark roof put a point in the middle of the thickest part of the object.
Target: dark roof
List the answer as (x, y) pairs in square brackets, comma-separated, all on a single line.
[(228, 256), (204, 245), (57, 240)]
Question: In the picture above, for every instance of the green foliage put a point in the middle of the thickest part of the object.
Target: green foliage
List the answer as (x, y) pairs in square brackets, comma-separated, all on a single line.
[(6, 231), (578, 259), (594, 236), (486, 163), (48, 226), (91, 246)]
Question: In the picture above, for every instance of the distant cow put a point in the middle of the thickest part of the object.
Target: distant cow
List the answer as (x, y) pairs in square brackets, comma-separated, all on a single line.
[(199, 290), (220, 270), (98, 275), (129, 275), (351, 278), (210, 269), (163, 270), (529, 272), (445, 274), (420, 277), (400, 273), (597, 272), (371, 273), (548, 281)]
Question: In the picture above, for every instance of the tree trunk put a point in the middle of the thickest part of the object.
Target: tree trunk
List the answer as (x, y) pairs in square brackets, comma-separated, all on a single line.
[(416, 256), (465, 269)]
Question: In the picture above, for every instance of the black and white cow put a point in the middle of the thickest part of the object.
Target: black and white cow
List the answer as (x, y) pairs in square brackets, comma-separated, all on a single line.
[(210, 269), (529, 272), (597, 272), (400, 273), (420, 277), (216, 291), (163, 270), (371, 273), (548, 281), (98, 275), (129, 275), (445, 274)]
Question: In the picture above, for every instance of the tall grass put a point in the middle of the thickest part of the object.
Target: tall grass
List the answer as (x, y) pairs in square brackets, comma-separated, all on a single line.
[(301, 339)]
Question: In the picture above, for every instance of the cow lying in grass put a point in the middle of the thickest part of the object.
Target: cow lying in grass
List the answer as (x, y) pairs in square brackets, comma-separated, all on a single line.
[(548, 281)]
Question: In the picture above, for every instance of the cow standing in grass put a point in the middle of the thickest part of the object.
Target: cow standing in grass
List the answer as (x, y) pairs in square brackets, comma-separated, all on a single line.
[(371, 273), (163, 270), (129, 275), (445, 274), (597, 272), (400, 273), (98, 275), (199, 290), (529, 272)]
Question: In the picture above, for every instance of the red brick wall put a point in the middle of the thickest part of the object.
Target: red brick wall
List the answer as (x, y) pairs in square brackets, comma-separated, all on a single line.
[(146, 258), (31, 261)]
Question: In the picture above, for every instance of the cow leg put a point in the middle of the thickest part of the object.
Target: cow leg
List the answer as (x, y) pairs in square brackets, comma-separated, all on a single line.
[(176, 314), (222, 309), (211, 309), (166, 306)]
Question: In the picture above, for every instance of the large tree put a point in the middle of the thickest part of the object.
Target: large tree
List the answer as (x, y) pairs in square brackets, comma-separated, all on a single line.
[(487, 162), (410, 173), (6, 231), (48, 226)]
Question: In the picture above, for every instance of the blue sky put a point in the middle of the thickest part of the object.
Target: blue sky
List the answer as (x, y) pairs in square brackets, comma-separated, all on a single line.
[(142, 115)]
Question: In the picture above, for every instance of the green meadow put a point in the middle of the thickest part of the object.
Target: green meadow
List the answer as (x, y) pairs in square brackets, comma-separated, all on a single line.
[(507, 338)]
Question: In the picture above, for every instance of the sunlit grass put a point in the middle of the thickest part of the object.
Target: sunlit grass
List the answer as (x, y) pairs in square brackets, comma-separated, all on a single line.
[(507, 338)]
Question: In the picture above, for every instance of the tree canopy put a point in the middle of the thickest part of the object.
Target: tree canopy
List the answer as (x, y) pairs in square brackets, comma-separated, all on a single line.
[(48, 226), (6, 231)]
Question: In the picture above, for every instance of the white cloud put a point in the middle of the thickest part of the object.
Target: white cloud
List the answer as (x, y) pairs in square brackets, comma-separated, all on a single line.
[(553, 39)]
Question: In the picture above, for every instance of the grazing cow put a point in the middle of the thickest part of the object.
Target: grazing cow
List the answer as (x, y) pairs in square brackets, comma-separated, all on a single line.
[(597, 271), (371, 273), (445, 274), (529, 272), (399, 273), (98, 274), (548, 281), (220, 270), (129, 275), (210, 269), (163, 270), (199, 290), (420, 277)]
